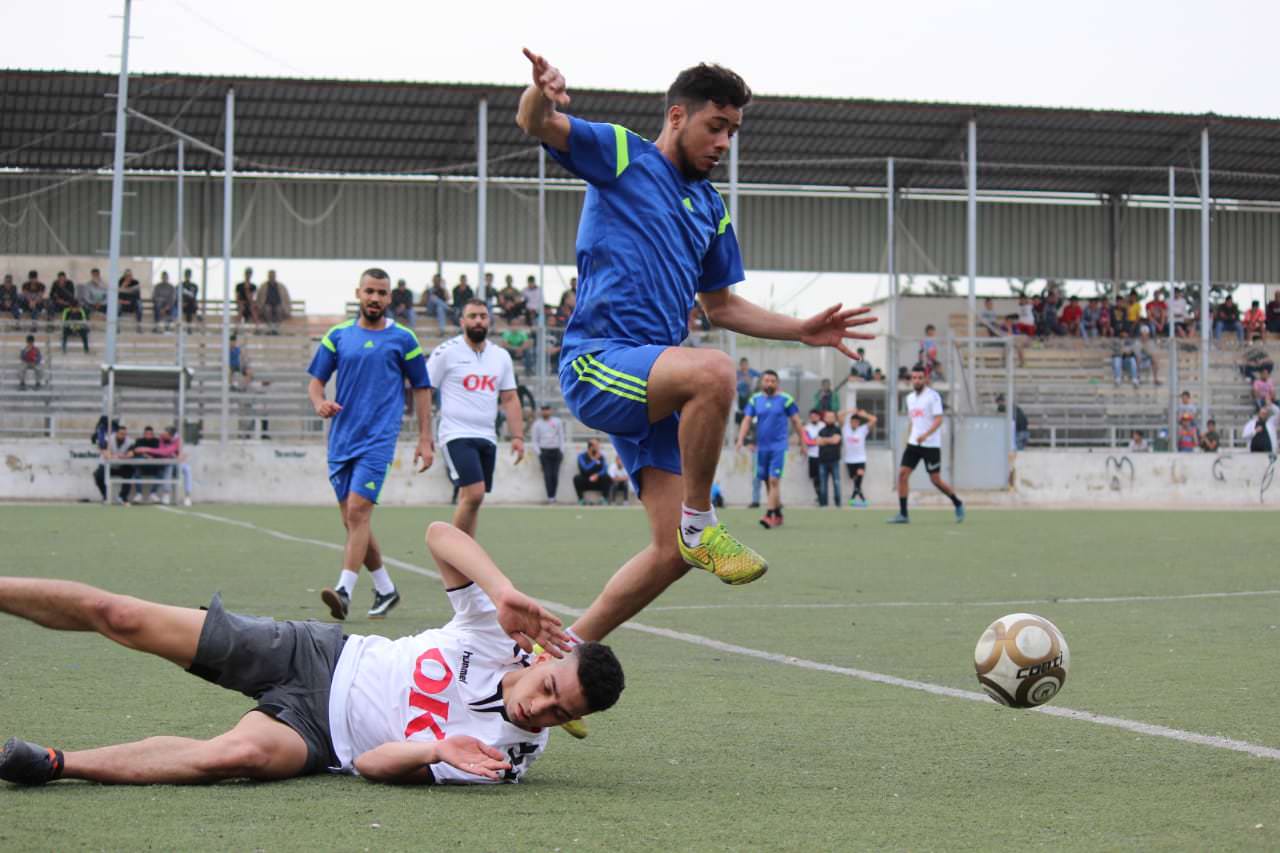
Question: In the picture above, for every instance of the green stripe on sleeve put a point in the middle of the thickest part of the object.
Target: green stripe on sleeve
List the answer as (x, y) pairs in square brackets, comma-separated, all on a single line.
[(624, 155), (327, 344), (412, 353)]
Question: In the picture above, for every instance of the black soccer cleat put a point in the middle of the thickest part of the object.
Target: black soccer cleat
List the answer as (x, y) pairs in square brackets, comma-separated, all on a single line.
[(382, 604), (24, 763), (337, 601)]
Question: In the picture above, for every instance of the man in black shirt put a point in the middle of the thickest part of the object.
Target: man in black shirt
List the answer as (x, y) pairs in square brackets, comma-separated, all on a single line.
[(402, 303), (130, 295), (1209, 438), (62, 294), (273, 302), (149, 441), (190, 297), (246, 298), (829, 441)]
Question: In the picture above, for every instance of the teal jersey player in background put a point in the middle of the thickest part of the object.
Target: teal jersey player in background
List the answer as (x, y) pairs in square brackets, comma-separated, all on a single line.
[(373, 356), (772, 411), (655, 237)]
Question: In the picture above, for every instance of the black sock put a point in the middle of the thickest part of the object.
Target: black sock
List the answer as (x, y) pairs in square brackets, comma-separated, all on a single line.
[(955, 501), (902, 505), (857, 485)]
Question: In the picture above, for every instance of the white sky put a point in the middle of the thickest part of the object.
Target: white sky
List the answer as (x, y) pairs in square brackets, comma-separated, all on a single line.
[(1175, 55)]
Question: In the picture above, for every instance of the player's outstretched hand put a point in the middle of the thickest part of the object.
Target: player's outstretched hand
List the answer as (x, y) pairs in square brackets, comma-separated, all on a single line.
[(526, 621), (833, 327), (472, 756), (424, 454), (548, 79), (328, 408)]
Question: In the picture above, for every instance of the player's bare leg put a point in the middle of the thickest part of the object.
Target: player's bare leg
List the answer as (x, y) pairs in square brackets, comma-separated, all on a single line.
[(701, 386), (257, 747), (904, 475), (159, 629), (361, 548), (773, 499), (942, 486), (466, 517)]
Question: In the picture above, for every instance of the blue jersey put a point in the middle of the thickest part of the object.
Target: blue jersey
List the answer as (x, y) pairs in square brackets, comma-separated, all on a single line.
[(648, 242), (772, 413), (372, 366)]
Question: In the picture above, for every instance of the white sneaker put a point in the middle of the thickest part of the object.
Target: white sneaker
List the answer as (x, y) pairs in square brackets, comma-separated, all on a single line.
[(164, 500), (186, 501)]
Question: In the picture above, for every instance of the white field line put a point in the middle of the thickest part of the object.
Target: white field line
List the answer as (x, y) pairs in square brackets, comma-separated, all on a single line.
[(1256, 750), (859, 605)]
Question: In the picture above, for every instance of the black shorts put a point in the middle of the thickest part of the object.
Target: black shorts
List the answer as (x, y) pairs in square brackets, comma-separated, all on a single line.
[(855, 468), (471, 460), (286, 666), (930, 456)]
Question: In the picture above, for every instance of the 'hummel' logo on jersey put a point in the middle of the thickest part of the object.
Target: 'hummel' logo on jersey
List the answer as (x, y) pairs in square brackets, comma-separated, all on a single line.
[(368, 344)]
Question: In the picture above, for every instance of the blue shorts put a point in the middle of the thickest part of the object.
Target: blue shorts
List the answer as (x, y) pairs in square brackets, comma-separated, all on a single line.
[(769, 463), (361, 475), (470, 460), (608, 391)]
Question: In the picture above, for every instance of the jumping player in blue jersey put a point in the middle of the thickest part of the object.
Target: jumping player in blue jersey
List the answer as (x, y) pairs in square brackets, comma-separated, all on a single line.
[(373, 356), (655, 236)]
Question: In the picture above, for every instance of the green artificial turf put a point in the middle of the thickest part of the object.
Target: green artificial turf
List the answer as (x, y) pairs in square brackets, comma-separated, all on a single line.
[(711, 749)]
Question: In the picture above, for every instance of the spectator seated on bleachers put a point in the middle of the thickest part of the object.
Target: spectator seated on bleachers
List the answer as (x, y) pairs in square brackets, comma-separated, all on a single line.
[(130, 296), (93, 293), (238, 361), (32, 361), (1145, 349), (10, 299), (1226, 318), (1188, 440), (619, 482), (142, 449), (1158, 314), (1072, 316), (927, 355), (1264, 390), (162, 299), (1209, 441), (1124, 359), (62, 294), (402, 304), (190, 297), (518, 342), (462, 294), (75, 323), (272, 303), (1255, 319), (33, 298), (246, 298), (435, 301), (510, 300), (1256, 359), (1273, 314), (533, 302), (1137, 443), (113, 446), (989, 320), (592, 475)]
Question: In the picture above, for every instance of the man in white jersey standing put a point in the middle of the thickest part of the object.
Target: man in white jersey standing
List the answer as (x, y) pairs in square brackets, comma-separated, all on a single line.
[(466, 703), (473, 377), (924, 444), (855, 427)]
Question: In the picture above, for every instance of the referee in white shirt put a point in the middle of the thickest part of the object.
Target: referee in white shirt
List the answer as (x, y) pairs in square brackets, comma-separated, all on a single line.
[(548, 441), (473, 378)]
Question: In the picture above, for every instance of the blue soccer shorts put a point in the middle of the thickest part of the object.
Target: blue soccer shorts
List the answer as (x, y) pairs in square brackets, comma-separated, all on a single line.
[(608, 391), (770, 463), (361, 475)]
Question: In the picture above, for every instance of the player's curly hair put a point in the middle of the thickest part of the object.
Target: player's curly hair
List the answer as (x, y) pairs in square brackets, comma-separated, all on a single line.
[(600, 675), (704, 82)]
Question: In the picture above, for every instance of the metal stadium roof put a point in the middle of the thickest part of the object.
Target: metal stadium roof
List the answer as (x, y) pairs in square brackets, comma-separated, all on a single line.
[(54, 120)]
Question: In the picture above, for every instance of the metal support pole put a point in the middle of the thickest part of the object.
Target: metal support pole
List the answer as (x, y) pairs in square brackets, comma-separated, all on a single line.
[(542, 275), (891, 351), (482, 190), (1205, 281), (181, 353), (117, 193), (228, 169), (1009, 400), (1173, 345), (733, 218), (971, 251)]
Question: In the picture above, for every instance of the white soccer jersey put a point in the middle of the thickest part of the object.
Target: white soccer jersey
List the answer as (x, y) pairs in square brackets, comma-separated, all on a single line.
[(855, 442), (922, 408), (811, 432), (468, 383), (444, 681)]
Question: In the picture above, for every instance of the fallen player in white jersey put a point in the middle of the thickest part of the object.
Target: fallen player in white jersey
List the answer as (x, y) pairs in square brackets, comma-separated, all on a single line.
[(465, 703)]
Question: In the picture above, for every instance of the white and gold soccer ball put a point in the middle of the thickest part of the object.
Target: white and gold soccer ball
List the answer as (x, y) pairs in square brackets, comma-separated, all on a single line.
[(1022, 660)]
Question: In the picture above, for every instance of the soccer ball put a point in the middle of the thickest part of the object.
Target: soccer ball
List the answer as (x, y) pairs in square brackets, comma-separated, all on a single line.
[(1022, 660)]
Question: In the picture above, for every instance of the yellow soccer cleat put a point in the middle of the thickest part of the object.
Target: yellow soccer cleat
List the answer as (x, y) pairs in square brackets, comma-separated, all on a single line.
[(577, 728), (722, 555)]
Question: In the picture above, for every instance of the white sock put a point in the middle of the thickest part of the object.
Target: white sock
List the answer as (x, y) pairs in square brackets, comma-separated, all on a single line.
[(347, 581), (692, 523), (382, 581)]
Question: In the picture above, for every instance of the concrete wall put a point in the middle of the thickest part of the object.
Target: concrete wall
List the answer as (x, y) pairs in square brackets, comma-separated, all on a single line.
[(297, 474)]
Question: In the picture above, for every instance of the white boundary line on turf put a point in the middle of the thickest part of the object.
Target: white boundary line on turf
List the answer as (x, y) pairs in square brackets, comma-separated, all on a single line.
[(858, 605), (1256, 750)]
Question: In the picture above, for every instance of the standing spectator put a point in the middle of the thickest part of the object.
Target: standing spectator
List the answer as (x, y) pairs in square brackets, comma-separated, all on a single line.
[(1227, 319), (856, 426), (747, 379), (33, 298), (1256, 359), (436, 302), (1145, 350), (770, 410), (272, 303), (190, 297), (1186, 408), (1209, 441), (1260, 431), (825, 399), (247, 298), (1179, 313), (1123, 359), (548, 441), (75, 323), (62, 294), (1273, 314), (1255, 319), (162, 302), (94, 295), (130, 294), (619, 481), (111, 448), (1137, 443), (1071, 318), (592, 475), (1188, 436), (1264, 390), (809, 436), (928, 353), (533, 302), (1025, 324), (1158, 314), (1089, 320), (142, 449), (462, 294), (510, 302), (10, 299), (518, 343), (829, 441), (402, 303), (32, 364)]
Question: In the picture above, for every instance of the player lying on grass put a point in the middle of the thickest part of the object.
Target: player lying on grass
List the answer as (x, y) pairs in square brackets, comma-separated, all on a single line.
[(466, 703)]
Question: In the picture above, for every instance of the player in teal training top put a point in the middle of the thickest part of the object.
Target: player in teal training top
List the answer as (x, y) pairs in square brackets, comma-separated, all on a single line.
[(654, 237), (373, 356)]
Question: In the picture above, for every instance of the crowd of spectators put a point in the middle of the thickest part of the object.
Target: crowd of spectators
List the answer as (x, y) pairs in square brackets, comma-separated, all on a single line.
[(147, 468)]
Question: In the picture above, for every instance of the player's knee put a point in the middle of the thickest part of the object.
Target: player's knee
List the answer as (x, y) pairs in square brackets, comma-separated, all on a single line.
[(119, 615), (232, 757), (358, 514), (717, 376)]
